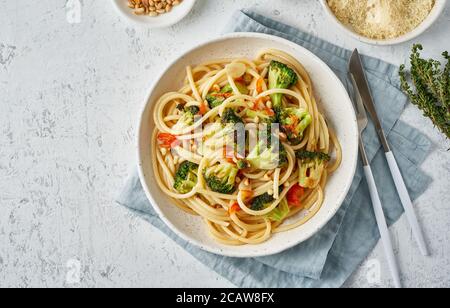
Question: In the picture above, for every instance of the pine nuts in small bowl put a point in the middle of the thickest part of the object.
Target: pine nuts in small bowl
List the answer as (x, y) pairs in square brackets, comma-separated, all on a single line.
[(152, 8), (154, 13)]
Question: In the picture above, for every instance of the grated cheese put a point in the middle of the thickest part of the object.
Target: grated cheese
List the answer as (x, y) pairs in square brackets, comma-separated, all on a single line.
[(382, 19)]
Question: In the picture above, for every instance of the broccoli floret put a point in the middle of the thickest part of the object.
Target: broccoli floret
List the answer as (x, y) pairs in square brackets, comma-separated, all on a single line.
[(264, 201), (230, 117), (261, 202), (280, 77), (221, 178), (241, 87), (266, 158), (280, 212), (191, 111), (242, 164), (186, 177), (283, 160), (293, 122), (188, 115), (305, 155), (312, 165), (216, 99), (229, 120)]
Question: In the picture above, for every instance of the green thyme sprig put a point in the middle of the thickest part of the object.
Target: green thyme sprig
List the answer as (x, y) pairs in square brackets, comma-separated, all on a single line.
[(432, 88)]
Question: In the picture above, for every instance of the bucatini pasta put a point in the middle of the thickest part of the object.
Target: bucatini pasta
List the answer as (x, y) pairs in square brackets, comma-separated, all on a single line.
[(243, 145)]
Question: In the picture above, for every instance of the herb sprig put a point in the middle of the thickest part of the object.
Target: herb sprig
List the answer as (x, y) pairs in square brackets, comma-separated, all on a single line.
[(432, 88)]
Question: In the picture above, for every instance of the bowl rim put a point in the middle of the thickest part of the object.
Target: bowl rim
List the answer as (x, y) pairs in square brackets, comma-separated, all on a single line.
[(217, 250), (434, 15), (162, 24)]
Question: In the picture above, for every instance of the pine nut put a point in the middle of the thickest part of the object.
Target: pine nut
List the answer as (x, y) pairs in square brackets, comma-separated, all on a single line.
[(152, 8), (140, 11)]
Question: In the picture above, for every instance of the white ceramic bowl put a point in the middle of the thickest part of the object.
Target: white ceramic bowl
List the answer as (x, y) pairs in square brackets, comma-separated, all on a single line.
[(427, 23), (164, 20), (334, 100)]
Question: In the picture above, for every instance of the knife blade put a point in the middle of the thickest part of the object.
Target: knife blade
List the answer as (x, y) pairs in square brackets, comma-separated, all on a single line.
[(357, 71)]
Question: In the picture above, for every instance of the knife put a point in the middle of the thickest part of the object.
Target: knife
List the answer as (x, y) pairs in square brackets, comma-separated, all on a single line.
[(357, 71)]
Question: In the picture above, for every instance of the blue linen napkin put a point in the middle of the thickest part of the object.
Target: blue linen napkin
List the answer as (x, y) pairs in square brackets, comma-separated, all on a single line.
[(329, 257)]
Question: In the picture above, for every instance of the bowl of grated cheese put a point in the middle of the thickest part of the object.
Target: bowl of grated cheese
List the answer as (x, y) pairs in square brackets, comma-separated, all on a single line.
[(382, 22)]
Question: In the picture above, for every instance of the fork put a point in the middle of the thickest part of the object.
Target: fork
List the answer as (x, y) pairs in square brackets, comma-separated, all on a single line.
[(376, 202)]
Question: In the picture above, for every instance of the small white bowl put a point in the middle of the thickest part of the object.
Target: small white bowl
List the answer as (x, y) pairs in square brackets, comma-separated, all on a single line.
[(164, 20), (333, 99), (427, 23)]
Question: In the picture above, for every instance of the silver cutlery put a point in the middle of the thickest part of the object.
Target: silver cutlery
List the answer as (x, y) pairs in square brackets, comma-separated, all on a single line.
[(376, 202), (357, 71)]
